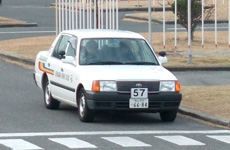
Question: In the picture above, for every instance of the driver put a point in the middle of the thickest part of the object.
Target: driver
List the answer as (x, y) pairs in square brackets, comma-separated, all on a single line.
[(90, 53)]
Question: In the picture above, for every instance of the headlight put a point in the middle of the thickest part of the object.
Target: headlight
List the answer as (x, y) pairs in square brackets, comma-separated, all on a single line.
[(167, 86), (108, 86), (104, 86)]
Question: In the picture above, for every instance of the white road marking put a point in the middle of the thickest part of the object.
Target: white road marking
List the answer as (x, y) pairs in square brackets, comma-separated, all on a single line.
[(222, 138), (35, 134), (27, 32), (126, 141), (19, 144), (180, 140), (72, 143)]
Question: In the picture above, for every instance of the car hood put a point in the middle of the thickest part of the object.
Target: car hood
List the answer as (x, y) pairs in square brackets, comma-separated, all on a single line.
[(126, 72)]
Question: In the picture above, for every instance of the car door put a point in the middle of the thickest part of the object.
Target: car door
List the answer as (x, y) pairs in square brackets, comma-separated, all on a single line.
[(55, 62), (69, 71)]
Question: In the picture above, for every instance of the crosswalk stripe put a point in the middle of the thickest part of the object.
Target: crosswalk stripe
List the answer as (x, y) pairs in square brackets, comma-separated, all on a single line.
[(222, 138), (19, 144), (180, 140), (126, 141), (72, 142), (139, 132)]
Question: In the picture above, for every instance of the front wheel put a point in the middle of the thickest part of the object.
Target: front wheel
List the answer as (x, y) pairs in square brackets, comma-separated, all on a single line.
[(85, 114), (50, 102), (168, 116)]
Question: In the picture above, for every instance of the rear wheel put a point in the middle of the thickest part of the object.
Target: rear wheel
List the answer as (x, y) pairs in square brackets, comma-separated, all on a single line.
[(168, 116), (50, 102), (85, 114)]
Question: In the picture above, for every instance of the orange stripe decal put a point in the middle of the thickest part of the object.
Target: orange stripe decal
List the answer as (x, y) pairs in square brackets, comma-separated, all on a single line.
[(43, 68)]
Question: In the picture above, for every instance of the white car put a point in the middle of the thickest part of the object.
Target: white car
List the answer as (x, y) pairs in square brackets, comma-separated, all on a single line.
[(106, 70)]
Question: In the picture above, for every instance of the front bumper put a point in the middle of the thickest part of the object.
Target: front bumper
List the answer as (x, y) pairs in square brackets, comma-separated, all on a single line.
[(120, 101), (34, 73)]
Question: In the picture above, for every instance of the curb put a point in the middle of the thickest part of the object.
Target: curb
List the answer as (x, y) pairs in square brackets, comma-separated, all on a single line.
[(19, 25), (203, 116), (181, 110), (156, 9), (17, 58), (130, 16), (201, 68), (144, 9)]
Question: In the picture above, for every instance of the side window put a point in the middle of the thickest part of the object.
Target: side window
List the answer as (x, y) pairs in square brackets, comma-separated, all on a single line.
[(72, 46), (61, 45)]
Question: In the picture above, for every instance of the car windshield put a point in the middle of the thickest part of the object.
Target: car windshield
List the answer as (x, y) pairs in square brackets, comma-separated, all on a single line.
[(116, 51)]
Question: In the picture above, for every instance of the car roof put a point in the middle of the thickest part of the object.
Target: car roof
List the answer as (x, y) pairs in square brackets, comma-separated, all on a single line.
[(101, 33)]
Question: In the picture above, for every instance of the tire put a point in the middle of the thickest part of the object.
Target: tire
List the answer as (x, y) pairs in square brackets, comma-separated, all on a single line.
[(50, 102), (85, 114), (168, 116)]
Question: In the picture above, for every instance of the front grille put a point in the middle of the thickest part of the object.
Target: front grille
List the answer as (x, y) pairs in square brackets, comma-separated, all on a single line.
[(103, 104), (154, 104), (171, 104), (122, 105), (125, 86)]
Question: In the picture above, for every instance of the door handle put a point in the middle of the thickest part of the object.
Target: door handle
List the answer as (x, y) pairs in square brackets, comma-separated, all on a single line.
[(62, 69), (48, 64)]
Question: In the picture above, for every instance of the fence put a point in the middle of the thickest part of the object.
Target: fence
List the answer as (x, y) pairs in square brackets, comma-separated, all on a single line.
[(190, 53), (86, 14), (104, 14)]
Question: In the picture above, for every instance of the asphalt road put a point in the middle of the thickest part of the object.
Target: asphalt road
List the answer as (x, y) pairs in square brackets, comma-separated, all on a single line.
[(31, 11), (22, 111), (25, 123)]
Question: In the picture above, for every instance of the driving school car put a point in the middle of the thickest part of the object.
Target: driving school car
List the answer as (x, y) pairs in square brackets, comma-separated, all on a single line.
[(104, 70)]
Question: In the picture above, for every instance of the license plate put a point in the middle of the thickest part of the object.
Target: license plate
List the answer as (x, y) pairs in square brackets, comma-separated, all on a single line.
[(139, 98), (139, 103), (139, 93)]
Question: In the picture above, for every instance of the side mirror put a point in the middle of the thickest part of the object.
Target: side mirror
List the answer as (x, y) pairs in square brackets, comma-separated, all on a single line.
[(162, 53), (69, 60), (62, 53), (162, 57)]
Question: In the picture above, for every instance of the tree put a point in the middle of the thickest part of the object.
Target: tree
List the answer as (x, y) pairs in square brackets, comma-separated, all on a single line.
[(0, 2), (182, 13)]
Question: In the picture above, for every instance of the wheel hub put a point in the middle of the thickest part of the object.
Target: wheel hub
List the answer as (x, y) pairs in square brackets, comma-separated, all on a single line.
[(82, 105), (47, 94)]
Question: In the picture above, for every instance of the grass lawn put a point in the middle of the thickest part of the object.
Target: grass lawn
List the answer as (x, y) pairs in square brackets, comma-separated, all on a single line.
[(4, 20)]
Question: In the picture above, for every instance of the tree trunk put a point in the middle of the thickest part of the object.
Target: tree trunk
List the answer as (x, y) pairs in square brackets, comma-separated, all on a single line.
[(192, 35)]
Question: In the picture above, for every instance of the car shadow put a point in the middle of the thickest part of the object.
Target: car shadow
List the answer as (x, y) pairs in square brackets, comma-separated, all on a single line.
[(118, 117), (126, 117)]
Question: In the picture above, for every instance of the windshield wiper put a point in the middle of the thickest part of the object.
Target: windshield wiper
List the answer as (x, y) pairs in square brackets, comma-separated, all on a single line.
[(141, 63), (105, 63)]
